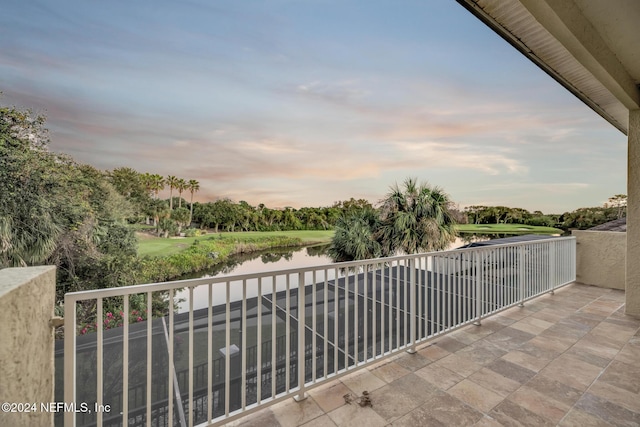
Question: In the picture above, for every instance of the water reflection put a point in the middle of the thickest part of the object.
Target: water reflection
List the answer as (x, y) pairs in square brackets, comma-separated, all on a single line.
[(253, 263), (267, 260)]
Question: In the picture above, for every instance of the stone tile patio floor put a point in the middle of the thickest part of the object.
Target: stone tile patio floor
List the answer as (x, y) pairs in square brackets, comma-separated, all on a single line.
[(569, 359)]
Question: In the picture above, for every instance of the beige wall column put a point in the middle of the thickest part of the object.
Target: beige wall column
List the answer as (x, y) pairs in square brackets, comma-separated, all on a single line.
[(632, 290), (27, 300)]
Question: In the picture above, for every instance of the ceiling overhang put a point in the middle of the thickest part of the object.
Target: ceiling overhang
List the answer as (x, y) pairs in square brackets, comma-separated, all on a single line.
[(589, 46)]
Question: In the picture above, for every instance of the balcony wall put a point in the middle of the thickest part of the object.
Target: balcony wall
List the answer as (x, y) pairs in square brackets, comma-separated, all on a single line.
[(600, 258), (27, 299)]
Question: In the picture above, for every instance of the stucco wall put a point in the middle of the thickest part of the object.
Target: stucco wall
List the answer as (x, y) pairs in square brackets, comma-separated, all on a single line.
[(632, 291), (27, 299), (600, 258)]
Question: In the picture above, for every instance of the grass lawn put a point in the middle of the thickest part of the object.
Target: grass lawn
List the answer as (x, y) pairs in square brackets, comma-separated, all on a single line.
[(507, 228), (159, 247)]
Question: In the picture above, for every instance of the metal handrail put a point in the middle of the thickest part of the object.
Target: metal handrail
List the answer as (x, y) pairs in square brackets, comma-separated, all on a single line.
[(349, 315)]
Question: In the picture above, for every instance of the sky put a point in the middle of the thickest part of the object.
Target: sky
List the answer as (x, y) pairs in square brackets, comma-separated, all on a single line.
[(305, 103)]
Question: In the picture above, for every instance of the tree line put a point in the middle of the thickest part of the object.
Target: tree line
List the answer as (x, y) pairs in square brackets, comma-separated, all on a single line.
[(142, 191), (171, 216), (55, 210), (227, 215), (582, 218)]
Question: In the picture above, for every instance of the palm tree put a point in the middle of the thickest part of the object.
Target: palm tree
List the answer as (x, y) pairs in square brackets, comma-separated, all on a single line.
[(157, 183), (147, 181), (193, 187), (180, 216), (416, 218), (159, 210), (171, 181), (355, 237), (181, 185)]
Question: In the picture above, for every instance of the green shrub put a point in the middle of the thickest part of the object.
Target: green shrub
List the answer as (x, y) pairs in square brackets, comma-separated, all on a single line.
[(206, 253)]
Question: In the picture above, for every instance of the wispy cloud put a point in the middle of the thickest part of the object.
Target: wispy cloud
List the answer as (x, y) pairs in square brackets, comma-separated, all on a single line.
[(547, 187), (342, 93), (270, 104), (490, 160)]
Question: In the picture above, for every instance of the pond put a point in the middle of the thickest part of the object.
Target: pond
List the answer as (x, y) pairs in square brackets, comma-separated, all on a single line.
[(296, 257), (271, 260), (267, 260), (253, 263)]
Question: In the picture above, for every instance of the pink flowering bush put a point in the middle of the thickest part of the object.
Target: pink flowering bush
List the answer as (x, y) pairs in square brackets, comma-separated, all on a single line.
[(116, 320)]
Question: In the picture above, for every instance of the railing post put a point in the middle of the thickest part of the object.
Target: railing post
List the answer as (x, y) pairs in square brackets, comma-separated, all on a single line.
[(301, 337), (552, 266), (479, 287), (573, 258), (521, 275), (412, 307), (70, 357)]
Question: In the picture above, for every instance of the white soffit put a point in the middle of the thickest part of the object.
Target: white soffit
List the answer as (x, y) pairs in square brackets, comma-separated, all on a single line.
[(588, 46)]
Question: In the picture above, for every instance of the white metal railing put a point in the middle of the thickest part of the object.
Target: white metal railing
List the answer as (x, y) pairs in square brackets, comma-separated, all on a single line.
[(257, 339)]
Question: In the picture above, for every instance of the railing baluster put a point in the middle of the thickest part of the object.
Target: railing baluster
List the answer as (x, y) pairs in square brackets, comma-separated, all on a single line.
[(439, 323), (149, 360), (503, 278), (346, 320), (336, 317), (478, 286), (492, 281), (515, 267), (243, 349), (259, 344), (429, 289), (450, 300), (496, 282), (70, 356), (406, 311), (534, 289), (301, 338), (413, 319), (99, 359), (171, 367), (325, 325), (314, 330), (421, 300), (521, 275), (374, 313), (274, 321), (462, 280), (227, 346), (365, 298), (398, 310), (393, 307), (191, 409), (287, 331), (455, 307), (385, 313), (356, 320), (125, 361), (552, 266), (210, 353)]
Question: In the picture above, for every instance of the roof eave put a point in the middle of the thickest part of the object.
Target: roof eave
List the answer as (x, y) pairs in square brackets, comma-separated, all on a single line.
[(517, 43)]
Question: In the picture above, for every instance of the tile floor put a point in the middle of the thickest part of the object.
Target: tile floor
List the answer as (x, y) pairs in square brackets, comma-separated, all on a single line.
[(569, 359)]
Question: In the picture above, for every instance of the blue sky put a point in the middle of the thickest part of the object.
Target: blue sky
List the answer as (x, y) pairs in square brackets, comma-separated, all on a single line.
[(303, 103)]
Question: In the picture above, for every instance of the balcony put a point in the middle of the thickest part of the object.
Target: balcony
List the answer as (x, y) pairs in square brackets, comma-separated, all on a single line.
[(569, 359), (238, 345), (493, 335)]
